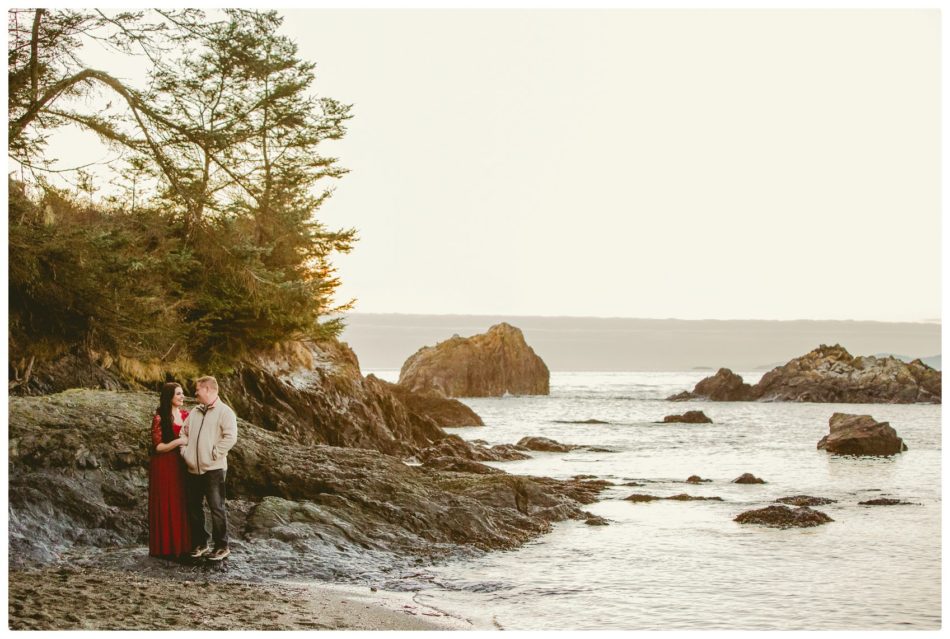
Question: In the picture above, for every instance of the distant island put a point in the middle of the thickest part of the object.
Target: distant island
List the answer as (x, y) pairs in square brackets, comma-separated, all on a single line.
[(385, 341)]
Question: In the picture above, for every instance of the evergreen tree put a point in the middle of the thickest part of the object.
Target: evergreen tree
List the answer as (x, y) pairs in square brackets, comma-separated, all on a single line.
[(227, 133)]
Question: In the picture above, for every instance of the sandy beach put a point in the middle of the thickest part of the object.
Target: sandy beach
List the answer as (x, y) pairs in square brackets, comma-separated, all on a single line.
[(68, 598)]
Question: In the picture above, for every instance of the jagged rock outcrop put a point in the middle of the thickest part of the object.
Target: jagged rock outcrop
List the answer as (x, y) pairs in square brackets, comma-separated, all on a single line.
[(487, 365), (78, 477), (784, 517), (689, 417), (860, 435), (77, 367), (313, 393), (829, 374)]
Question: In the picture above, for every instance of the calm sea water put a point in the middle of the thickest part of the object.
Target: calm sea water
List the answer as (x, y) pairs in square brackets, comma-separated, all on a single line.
[(687, 565)]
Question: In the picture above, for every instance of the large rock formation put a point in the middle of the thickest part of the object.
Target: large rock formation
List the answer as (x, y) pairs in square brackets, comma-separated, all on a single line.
[(829, 374), (487, 365), (860, 435), (78, 479)]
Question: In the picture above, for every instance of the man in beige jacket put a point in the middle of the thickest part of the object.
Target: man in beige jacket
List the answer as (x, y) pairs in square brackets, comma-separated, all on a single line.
[(211, 429)]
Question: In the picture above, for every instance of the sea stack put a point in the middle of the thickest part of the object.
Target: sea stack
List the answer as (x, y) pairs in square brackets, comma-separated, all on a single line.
[(492, 364)]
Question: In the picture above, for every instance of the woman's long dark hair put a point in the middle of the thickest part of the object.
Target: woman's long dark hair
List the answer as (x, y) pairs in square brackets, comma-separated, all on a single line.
[(164, 411)]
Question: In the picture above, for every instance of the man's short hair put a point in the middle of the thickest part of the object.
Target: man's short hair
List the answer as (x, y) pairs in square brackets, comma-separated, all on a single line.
[(208, 381)]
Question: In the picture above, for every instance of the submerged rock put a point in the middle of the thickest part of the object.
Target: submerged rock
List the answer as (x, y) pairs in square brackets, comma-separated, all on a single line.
[(747, 478), (689, 417), (806, 500), (885, 501), (492, 364), (860, 435), (544, 444), (784, 517), (583, 421), (594, 520), (685, 497), (696, 479), (639, 498), (828, 374)]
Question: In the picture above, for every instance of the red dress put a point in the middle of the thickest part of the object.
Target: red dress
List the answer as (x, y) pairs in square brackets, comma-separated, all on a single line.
[(168, 531)]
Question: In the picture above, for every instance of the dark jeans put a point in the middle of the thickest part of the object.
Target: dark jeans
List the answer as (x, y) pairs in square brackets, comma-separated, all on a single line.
[(210, 485)]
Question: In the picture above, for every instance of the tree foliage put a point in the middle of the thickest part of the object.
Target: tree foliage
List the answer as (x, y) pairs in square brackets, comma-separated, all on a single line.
[(208, 239)]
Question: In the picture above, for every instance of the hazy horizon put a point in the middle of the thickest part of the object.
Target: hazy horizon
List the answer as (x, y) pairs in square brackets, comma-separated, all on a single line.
[(935, 320), (386, 340)]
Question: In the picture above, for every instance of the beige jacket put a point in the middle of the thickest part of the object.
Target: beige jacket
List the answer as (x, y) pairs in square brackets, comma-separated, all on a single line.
[(212, 431)]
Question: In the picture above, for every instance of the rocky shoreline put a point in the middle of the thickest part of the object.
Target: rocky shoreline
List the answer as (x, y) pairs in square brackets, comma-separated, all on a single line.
[(336, 478)]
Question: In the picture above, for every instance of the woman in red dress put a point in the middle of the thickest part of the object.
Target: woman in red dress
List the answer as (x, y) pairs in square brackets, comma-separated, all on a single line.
[(168, 532)]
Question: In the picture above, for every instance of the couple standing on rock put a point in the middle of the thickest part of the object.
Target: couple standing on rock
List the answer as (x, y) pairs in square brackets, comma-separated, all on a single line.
[(188, 465)]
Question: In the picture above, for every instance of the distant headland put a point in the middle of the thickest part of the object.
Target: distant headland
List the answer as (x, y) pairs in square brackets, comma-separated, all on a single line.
[(385, 340)]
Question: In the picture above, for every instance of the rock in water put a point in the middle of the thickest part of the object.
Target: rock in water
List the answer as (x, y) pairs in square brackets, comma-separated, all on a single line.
[(784, 517), (487, 365), (828, 374), (544, 444), (724, 386), (831, 374), (747, 478), (689, 417), (860, 435)]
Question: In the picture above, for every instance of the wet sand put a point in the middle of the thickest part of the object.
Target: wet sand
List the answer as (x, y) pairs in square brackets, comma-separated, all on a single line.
[(87, 598)]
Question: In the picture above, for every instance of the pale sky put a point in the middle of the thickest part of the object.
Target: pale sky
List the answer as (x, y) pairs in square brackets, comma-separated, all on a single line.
[(636, 163), (694, 164)]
